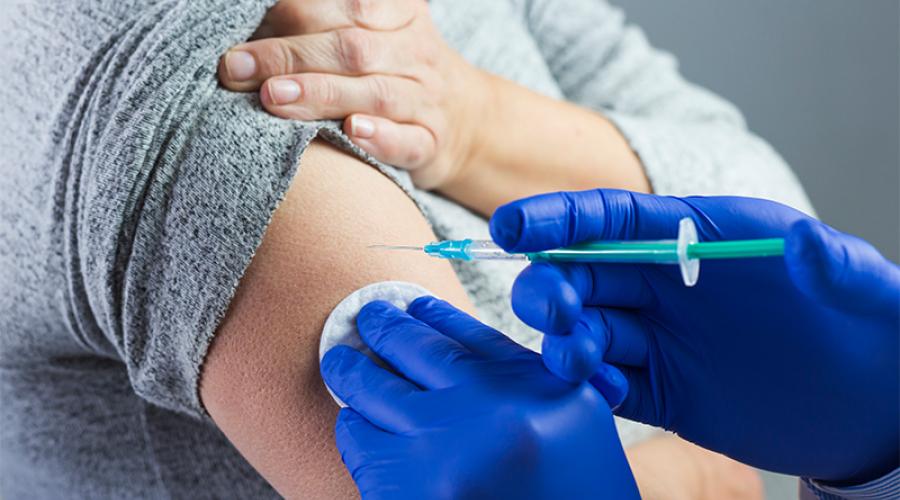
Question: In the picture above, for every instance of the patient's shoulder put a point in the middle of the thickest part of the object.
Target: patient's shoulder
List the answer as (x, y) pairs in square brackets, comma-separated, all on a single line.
[(261, 382)]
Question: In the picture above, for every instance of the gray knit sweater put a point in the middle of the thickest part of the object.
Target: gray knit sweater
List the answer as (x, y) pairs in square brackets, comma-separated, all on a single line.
[(134, 191)]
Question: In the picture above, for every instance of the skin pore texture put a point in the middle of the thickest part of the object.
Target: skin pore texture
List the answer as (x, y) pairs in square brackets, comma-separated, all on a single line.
[(261, 382)]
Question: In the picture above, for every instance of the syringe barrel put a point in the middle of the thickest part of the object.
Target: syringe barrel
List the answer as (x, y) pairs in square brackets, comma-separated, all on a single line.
[(655, 252), (488, 250), (470, 250)]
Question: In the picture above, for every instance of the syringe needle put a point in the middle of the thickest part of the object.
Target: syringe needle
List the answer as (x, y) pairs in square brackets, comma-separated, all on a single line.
[(396, 247)]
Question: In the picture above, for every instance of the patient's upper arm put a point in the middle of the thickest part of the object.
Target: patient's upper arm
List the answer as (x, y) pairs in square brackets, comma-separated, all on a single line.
[(260, 381)]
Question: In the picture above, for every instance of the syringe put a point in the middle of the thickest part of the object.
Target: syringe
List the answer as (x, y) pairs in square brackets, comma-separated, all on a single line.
[(686, 251)]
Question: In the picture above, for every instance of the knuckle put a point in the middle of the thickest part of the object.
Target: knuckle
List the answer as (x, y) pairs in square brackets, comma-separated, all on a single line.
[(415, 155), (385, 102), (286, 53), (419, 151), (355, 49), (434, 87), (361, 11), (428, 54), (320, 94), (324, 92)]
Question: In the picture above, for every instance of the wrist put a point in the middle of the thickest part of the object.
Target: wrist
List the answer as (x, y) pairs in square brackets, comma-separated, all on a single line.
[(478, 180), (476, 123)]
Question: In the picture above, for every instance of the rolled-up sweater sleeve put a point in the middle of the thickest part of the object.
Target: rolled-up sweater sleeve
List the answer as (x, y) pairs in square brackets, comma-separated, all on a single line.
[(172, 182), (690, 141)]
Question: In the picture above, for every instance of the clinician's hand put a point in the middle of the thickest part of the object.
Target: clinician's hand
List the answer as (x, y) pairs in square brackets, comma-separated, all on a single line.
[(468, 414), (786, 364)]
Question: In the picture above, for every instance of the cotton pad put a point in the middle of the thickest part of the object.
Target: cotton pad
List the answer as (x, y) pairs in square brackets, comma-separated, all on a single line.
[(340, 327)]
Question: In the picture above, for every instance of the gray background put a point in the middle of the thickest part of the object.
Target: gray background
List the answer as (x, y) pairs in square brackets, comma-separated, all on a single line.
[(817, 78)]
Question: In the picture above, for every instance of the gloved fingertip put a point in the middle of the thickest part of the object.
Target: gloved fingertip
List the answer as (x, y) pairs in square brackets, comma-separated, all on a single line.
[(347, 419), (545, 300), (573, 358), (812, 261), (349, 416), (804, 241), (611, 383), (337, 361), (422, 304), (506, 226), (374, 314)]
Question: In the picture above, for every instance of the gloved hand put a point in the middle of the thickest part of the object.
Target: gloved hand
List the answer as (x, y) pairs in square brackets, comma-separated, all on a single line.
[(469, 414), (789, 364)]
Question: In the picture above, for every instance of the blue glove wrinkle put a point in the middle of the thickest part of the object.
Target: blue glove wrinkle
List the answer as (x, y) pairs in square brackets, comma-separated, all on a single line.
[(468, 331), (339, 365), (818, 258), (551, 225), (428, 306), (626, 335), (611, 383), (574, 357), (392, 333), (363, 385), (506, 227), (791, 365), (545, 300), (354, 435), (502, 432)]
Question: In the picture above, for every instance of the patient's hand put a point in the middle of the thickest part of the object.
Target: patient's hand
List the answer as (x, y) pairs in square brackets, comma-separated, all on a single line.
[(380, 65)]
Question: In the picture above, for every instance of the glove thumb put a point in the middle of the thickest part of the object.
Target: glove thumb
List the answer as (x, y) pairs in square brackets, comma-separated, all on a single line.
[(839, 270)]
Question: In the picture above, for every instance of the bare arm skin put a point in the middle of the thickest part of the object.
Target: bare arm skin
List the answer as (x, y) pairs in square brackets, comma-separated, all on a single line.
[(261, 380)]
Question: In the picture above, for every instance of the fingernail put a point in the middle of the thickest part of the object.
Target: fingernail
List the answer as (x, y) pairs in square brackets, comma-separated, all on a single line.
[(240, 65), (362, 127), (284, 91)]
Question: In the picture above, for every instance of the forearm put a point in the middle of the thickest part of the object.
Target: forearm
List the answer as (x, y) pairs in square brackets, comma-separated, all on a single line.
[(670, 468), (690, 141), (529, 144)]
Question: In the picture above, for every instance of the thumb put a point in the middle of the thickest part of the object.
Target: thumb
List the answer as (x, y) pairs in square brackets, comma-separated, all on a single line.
[(612, 384), (402, 145), (561, 219), (839, 270)]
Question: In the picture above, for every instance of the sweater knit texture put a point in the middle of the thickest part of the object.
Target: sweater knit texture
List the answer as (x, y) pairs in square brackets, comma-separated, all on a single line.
[(134, 191)]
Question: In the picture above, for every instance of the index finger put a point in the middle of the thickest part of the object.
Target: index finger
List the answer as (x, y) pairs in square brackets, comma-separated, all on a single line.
[(381, 396), (468, 331), (419, 352)]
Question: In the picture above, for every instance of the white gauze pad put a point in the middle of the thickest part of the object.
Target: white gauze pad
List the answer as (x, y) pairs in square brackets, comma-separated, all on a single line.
[(340, 327)]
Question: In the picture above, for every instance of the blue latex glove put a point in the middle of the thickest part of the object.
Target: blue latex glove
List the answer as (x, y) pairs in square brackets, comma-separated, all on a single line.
[(789, 364), (468, 414)]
